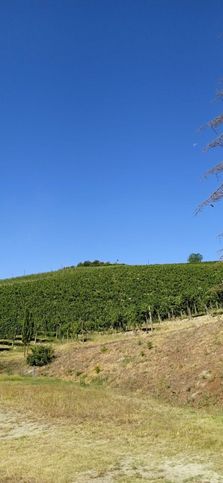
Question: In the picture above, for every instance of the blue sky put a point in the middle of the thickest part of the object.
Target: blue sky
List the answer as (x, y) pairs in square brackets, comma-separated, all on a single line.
[(100, 105)]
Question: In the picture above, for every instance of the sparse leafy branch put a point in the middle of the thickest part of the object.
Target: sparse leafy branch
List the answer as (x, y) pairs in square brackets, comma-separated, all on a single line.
[(215, 124)]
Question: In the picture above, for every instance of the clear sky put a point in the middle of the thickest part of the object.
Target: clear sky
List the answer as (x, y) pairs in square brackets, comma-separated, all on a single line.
[(100, 105)]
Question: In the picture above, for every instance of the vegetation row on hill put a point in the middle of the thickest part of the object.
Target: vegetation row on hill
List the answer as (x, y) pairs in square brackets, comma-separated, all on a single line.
[(97, 298)]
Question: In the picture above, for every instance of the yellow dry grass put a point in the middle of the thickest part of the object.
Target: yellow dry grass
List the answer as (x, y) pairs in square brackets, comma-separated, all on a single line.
[(97, 434), (53, 430)]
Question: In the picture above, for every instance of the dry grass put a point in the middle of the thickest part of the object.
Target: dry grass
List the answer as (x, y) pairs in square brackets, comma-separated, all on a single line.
[(91, 425), (96, 432), (170, 363)]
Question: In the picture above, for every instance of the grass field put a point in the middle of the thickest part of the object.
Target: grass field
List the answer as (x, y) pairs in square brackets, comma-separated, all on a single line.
[(57, 430), (54, 431)]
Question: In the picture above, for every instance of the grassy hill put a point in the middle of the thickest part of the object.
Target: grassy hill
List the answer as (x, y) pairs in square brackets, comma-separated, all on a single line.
[(97, 298), (123, 407), (181, 362), (126, 407)]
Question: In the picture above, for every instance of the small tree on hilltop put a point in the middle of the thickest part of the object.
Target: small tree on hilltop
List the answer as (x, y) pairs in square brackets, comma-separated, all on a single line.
[(195, 258)]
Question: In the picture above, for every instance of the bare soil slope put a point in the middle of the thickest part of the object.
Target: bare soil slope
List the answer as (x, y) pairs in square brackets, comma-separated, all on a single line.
[(182, 361)]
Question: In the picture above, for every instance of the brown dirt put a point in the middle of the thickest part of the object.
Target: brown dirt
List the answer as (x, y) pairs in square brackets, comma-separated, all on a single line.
[(13, 426), (180, 469), (184, 365)]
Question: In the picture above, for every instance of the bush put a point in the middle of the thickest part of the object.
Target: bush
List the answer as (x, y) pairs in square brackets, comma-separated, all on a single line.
[(195, 258), (149, 344), (40, 355), (104, 348)]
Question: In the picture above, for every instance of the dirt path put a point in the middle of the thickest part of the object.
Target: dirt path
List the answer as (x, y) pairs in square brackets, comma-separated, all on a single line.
[(180, 469), (12, 426)]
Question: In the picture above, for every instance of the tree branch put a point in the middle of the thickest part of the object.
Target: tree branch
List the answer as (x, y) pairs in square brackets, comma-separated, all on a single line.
[(218, 168), (213, 198), (218, 142)]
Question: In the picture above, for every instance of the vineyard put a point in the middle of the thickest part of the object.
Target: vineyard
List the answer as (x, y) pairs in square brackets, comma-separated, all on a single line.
[(82, 299)]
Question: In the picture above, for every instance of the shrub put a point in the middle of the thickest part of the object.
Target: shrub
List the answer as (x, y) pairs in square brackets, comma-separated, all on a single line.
[(40, 355), (78, 373), (104, 349), (149, 344)]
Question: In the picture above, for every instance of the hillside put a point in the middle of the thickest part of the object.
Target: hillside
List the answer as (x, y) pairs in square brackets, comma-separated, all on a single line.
[(180, 363), (127, 407), (76, 300)]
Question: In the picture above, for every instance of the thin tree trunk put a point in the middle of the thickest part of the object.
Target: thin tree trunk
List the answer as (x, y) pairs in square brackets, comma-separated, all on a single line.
[(151, 320), (189, 312)]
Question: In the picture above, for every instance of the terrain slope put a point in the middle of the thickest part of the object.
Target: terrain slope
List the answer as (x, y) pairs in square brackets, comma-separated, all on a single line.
[(120, 407)]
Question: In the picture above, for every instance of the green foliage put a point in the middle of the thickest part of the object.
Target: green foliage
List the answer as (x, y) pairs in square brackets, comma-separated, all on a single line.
[(27, 328), (215, 295), (75, 302), (149, 344), (95, 263), (195, 258), (104, 349), (40, 355), (97, 369)]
